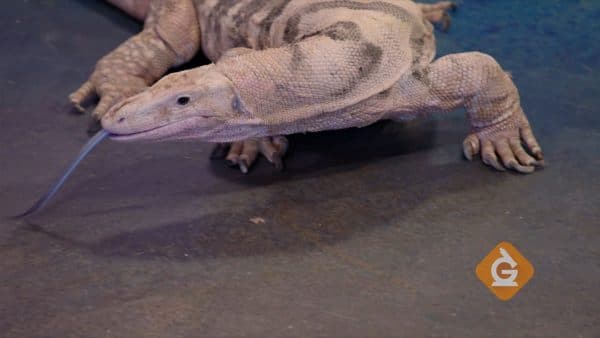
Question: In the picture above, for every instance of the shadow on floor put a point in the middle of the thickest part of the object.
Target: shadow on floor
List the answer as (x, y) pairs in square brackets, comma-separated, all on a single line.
[(295, 224)]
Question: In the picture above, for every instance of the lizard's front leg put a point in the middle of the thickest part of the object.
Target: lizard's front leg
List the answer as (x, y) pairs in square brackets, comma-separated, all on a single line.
[(243, 154), (475, 81), (170, 37)]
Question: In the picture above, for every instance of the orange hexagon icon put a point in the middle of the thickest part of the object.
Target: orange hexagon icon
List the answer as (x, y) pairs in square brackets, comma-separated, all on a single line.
[(504, 271)]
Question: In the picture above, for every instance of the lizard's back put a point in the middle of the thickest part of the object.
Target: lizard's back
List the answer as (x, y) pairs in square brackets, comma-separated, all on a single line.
[(261, 24)]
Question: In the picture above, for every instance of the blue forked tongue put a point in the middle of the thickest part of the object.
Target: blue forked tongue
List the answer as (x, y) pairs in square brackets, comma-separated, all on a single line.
[(91, 144)]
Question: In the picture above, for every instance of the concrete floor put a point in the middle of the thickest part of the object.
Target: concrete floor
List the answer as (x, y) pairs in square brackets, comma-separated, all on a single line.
[(368, 233)]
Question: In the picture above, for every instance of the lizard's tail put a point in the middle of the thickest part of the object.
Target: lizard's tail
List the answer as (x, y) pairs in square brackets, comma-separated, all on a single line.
[(136, 8)]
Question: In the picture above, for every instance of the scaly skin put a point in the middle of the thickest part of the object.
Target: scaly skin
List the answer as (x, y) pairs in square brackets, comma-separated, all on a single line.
[(290, 66)]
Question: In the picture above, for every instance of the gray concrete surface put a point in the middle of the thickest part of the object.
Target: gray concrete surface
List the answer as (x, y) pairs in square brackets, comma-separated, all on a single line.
[(368, 233)]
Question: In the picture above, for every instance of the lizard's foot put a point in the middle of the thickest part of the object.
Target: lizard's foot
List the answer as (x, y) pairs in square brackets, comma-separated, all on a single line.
[(124, 72), (109, 92), (111, 86), (243, 154), (501, 146), (437, 13)]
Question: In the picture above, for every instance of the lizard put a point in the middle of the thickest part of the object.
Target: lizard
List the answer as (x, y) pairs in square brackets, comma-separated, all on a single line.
[(281, 67)]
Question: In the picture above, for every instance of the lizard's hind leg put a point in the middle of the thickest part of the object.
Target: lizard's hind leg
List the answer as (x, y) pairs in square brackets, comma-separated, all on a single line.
[(437, 13)]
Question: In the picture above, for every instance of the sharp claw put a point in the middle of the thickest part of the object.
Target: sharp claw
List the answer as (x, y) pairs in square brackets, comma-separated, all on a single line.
[(468, 153), (469, 149), (471, 146), (493, 162), (82, 94), (520, 168), (535, 163), (244, 166), (73, 108), (79, 108)]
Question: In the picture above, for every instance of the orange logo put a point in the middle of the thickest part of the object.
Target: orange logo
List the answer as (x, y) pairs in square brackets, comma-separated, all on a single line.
[(504, 271)]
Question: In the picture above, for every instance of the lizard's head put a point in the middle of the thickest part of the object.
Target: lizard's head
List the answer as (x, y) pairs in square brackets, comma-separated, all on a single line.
[(194, 104)]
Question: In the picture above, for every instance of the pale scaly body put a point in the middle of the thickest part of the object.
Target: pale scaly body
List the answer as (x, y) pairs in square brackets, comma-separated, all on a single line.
[(288, 66)]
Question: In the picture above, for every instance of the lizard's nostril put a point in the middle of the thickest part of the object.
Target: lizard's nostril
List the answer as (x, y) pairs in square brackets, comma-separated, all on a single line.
[(121, 120)]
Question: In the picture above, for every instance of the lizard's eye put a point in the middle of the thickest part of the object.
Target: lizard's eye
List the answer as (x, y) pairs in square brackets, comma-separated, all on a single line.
[(183, 100)]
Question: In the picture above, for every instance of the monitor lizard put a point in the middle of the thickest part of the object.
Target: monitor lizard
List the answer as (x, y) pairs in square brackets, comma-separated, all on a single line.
[(291, 66)]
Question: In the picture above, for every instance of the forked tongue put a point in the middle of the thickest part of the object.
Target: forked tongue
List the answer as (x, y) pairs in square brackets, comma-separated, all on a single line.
[(86, 149)]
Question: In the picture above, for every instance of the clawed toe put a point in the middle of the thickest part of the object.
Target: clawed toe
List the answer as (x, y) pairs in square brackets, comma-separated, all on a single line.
[(233, 156), (274, 148), (488, 155), (527, 136), (471, 146), (85, 92), (248, 155), (109, 89)]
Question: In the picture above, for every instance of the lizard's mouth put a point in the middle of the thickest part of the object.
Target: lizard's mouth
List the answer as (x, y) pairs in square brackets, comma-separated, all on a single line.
[(191, 127)]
